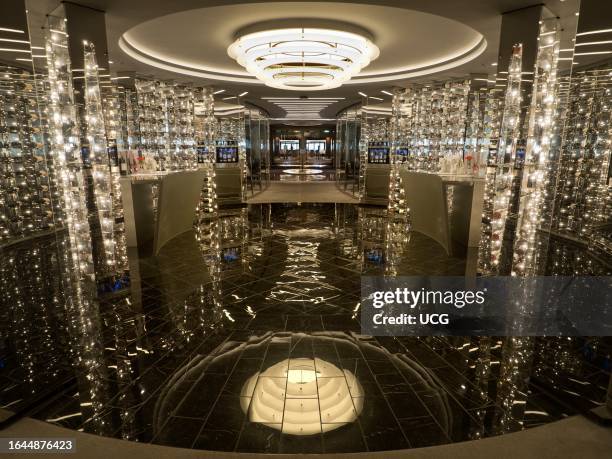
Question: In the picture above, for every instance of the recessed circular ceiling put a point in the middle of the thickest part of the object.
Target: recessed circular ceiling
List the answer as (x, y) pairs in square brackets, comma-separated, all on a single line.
[(195, 42)]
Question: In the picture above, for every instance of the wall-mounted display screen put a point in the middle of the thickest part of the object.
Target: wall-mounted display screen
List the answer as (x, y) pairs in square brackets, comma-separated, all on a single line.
[(378, 152), (202, 152), (378, 155), (231, 254), (374, 255), (227, 154)]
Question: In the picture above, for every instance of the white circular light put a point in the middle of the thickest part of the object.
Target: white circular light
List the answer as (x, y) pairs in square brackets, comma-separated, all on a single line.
[(303, 58), (302, 397)]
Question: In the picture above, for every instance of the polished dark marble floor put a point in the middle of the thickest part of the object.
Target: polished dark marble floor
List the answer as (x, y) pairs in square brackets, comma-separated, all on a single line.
[(208, 344)]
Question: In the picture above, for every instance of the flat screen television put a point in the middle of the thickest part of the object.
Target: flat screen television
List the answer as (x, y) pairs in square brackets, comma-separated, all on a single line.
[(227, 154)]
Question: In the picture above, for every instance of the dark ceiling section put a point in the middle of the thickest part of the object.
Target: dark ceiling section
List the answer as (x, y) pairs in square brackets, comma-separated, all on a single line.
[(14, 35)]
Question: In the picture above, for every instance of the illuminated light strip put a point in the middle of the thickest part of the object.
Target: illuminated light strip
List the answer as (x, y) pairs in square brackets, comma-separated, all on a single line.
[(592, 53), (11, 40), (303, 105), (307, 119), (58, 31), (299, 98), (219, 91), (4, 29), (61, 418), (592, 32), (387, 92), (120, 78), (12, 50), (589, 43)]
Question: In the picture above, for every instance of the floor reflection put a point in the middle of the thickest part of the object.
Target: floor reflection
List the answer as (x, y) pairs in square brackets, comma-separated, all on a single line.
[(238, 335)]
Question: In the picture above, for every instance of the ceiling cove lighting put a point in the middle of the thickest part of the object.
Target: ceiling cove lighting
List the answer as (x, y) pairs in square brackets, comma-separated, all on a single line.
[(303, 58)]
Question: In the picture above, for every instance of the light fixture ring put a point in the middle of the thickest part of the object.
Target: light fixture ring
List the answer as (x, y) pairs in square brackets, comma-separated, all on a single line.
[(300, 58)]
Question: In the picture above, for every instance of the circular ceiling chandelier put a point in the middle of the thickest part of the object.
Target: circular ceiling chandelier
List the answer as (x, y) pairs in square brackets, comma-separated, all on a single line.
[(303, 58)]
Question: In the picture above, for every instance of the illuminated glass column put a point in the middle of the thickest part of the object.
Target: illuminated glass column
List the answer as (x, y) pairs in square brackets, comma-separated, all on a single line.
[(205, 126), (26, 180), (99, 160), (517, 59), (400, 136), (534, 196), (65, 154)]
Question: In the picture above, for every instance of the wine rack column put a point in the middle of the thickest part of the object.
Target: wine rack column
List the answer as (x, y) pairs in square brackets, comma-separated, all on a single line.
[(98, 159), (26, 181), (517, 57), (205, 127), (534, 198), (399, 133)]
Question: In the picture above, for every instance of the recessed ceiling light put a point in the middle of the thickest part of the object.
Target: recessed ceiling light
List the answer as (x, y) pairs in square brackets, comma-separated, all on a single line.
[(303, 58), (219, 91), (362, 94), (494, 64), (243, 93), (387, 92), (230, 97), (377, 98)]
